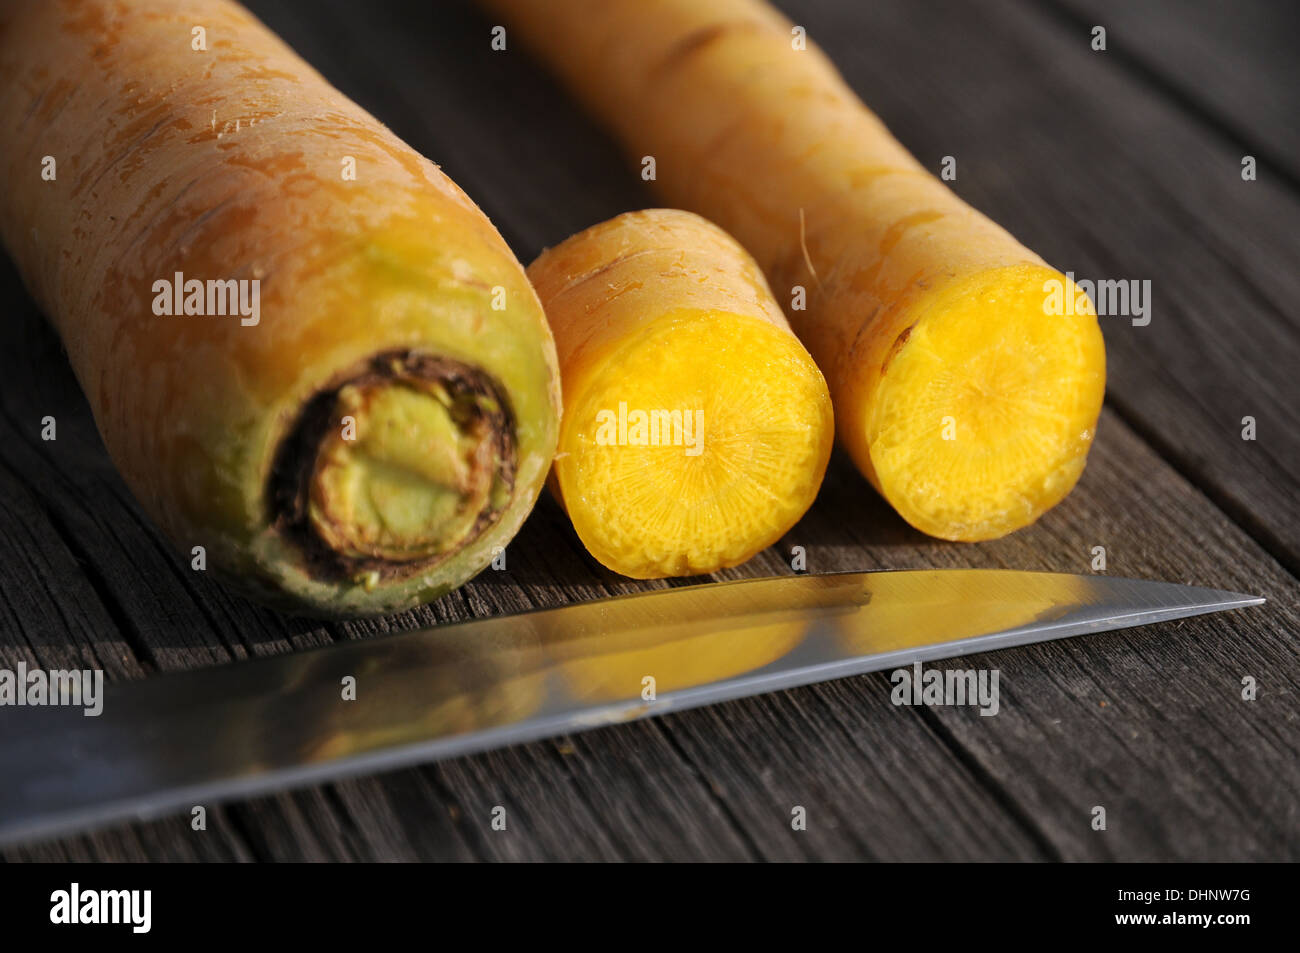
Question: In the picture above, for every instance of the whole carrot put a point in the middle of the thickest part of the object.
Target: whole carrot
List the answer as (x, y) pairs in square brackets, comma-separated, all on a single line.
[(696, 427), (960, 391), (314, 360)]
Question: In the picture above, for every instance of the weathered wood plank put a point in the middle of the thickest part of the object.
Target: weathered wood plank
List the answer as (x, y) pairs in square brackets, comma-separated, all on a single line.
[(171, 839), (1232, 62), (890, 783), (1148, 723), (50, 616)]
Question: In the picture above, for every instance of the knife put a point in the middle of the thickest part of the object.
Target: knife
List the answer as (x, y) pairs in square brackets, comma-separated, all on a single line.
[(174, 741)]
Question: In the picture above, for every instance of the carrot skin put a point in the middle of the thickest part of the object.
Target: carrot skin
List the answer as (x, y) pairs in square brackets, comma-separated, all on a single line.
[(229, 163)]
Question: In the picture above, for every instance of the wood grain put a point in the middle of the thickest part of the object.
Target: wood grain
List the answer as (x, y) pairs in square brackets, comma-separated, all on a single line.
[(1232, 63)]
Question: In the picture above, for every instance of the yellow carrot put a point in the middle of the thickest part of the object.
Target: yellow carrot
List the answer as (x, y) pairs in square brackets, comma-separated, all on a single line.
[(968, 404), (314, 360), (696, 427)]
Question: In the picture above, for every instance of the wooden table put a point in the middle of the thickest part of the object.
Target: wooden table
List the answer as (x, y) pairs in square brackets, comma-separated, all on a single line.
[(1117, 164)]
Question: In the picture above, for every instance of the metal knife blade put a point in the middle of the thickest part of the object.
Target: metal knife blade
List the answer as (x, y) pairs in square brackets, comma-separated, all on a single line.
[(174, 741)]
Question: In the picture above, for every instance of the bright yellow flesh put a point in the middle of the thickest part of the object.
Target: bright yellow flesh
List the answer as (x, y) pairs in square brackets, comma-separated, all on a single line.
[(985, 412), (652, 511)]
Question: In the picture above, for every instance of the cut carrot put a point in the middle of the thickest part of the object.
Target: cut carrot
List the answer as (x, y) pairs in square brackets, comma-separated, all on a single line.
[(958, 393), (696, 427), (314, 360)]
